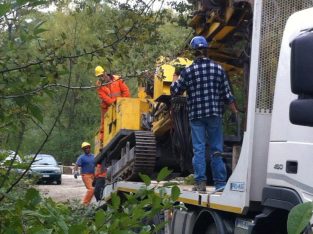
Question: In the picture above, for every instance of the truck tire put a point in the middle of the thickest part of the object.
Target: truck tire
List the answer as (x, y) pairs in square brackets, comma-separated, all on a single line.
[(210, 222), (211, 229)]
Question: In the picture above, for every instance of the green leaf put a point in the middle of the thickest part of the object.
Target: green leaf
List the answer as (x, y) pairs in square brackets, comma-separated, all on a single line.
[(42, 231), (40, 30), (146, 179), (4, 8), (34, 214), (165, 172), (100, 216), (175, 193), (37, 26), (78, 228), (159, 227), (32, 196), (299, 217), (145, 229), (116, 201), (138, 213), (36, 112), (62, 225), (156, 202), (63, 35), (22, 2)]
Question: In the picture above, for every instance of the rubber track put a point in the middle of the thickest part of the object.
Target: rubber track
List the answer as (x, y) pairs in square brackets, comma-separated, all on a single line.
[(145, 157)]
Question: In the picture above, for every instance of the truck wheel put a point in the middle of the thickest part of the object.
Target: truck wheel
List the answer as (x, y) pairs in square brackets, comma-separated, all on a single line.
[(211, 229), (59, 181), (210, 222)]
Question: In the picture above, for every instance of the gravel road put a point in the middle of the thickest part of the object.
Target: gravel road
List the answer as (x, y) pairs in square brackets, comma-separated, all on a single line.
[(69, 189)]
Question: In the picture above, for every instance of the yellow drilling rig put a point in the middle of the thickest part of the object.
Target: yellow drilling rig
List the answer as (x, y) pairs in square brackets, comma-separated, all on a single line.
[(144, 134)]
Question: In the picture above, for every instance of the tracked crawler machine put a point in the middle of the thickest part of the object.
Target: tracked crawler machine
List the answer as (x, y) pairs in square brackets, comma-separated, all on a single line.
[(139, 132), (149, 132)]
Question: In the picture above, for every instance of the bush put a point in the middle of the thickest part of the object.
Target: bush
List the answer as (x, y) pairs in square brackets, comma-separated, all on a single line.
[(25, 211)]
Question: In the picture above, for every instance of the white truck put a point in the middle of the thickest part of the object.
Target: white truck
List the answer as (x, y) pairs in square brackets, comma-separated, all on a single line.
[(274, 170)]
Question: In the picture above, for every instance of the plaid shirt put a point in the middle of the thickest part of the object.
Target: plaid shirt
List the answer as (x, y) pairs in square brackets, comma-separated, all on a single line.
[(207, 88)]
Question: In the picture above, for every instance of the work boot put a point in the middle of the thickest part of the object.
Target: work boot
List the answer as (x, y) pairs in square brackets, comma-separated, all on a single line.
[(202, 186), (199, 187), (219, 186), (195, 187)]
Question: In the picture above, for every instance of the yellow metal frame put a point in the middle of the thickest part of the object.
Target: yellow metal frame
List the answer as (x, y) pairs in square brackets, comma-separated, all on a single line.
[(164, 76), (190, 201), (126, 113)]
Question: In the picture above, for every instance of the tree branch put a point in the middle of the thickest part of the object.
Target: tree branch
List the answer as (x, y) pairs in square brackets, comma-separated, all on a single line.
[(20, 139), (39, 126), (47, 137), (33, 92), (92, 52)]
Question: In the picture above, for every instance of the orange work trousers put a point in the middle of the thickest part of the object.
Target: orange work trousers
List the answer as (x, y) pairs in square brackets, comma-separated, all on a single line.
[(88, 179)]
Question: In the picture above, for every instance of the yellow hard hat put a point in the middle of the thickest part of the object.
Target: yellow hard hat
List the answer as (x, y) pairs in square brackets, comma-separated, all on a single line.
[(84, 144), (99, 70)]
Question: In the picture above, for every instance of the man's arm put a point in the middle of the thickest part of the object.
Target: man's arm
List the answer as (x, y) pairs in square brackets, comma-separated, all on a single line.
[(124, 89), (77, 164), (103, 95), (227, 94), (179, 86)]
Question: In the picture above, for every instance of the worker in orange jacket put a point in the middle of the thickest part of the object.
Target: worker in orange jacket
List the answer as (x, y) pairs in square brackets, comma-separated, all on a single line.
[(109, 88)]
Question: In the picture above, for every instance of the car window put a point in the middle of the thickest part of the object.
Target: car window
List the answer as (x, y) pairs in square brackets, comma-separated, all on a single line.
[(44, 160)]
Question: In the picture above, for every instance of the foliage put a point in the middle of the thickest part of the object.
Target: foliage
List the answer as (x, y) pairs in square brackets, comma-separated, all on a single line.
[(28, 212), (299, 218), (189, 180), (46, 59), (133, 213), (48, 101)]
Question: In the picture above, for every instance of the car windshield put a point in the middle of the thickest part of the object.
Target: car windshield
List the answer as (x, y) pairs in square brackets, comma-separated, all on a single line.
[(44, 160)]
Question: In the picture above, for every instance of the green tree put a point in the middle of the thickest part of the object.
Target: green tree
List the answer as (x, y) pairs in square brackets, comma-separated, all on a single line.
[(47, 94), (60, 50)]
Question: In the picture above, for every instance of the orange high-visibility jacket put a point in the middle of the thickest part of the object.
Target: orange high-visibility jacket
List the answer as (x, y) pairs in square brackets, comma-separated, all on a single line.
[(110, 92)]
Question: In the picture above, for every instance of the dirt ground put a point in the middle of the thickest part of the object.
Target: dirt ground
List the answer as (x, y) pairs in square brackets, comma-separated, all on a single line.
[(69, 189)]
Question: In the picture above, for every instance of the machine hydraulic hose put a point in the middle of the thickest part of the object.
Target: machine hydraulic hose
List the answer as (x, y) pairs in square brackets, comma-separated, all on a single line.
[(181, 137)]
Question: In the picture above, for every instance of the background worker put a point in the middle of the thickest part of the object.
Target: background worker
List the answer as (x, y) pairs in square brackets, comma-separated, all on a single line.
[(100, 175), (207, 88), (109, 88), (86, 162)]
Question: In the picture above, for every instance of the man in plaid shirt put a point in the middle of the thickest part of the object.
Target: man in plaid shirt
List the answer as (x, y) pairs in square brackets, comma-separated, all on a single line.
[(207, 89)]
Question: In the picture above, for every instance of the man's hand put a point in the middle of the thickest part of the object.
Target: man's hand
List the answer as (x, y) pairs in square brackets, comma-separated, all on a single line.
[(233, 117), (233, 107), (175, 77), (98, 83)]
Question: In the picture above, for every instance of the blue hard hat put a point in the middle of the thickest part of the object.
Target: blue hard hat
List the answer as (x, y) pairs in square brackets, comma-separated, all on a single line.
[(199, 42)]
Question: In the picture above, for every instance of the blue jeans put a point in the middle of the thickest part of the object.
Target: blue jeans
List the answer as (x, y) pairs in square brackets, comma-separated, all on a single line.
[(208, 130)]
